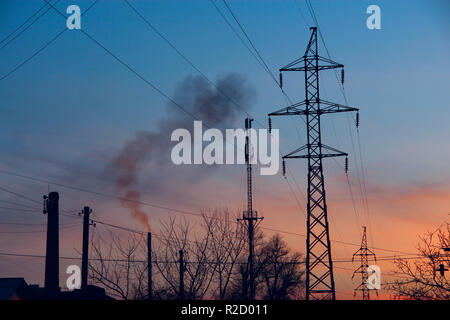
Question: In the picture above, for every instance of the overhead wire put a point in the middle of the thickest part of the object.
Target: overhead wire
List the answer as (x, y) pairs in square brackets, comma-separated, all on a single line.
[(177, 261), (22, 24), (341, 87), (158, 206), (143, 79), (26, 28), (46, 45)]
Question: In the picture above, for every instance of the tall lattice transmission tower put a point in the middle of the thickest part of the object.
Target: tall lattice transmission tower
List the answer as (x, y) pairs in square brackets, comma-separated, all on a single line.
[(319, 265), (250, 216), (365, 254)]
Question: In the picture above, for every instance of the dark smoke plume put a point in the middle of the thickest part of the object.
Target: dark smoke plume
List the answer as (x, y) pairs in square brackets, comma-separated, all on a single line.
[(149, 151)]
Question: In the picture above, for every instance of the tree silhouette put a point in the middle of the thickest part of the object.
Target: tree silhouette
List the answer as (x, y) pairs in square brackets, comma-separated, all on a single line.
[(421, 279), (279, 272), (215, 266)]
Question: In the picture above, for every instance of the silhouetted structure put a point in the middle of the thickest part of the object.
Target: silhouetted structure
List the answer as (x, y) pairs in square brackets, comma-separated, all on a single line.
[(181, 293), (149, 266), (85, 256), (18, 289), (250, 216), (319, 266), (441, 269), (364, 253), (52, 256), (13, 289)]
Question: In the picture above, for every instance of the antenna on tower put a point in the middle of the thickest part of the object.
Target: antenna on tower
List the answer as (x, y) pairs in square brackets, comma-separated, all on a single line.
[(250, 216), (319, 266)]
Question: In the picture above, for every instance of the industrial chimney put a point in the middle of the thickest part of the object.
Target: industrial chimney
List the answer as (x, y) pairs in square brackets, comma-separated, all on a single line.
[(52, 255)]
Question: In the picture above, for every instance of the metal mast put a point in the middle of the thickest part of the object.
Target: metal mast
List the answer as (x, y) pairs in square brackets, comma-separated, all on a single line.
[(250, 216), (319, 266), (364, 253)]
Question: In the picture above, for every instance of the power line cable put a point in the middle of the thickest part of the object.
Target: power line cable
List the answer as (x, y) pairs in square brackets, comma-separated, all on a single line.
[(21, 25), (27, 27), (157, 206), (341, 87), (237, 34), (19, 204), (251, 43), (301, 13), (19, 209), (266, 68), (67, 226), (176, 261), (183, 56), (43, 47), (138, 76)]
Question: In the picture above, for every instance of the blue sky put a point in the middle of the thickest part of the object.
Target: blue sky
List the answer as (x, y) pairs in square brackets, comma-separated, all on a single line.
[(393, 75), (67, 112)]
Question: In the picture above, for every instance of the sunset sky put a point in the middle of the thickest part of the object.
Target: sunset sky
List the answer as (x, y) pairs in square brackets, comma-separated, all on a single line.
[(67, 114)]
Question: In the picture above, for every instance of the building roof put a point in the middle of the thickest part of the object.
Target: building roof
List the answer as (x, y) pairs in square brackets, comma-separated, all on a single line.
[(12, 288), (18, 289)]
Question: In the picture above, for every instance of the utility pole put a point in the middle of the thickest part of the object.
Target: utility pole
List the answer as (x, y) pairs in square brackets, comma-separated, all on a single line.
[(364, 253), (85, 256), (319, 265), (149, 266), (250, 216), (51, 208), (181, 275)]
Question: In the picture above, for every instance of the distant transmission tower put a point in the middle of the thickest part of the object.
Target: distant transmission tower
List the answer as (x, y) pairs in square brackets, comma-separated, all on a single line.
[(364, 253), (319, 266), (250, 216)]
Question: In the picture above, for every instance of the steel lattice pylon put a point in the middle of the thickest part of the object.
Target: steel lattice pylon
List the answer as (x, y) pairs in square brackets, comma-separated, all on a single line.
[(319, 266), (250, 216), (364, 253)]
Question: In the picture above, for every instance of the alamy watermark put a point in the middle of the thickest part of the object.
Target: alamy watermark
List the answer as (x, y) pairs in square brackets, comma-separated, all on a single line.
[(74, 20), (230, 149), (374, 279), (373, 22), (74, 280)]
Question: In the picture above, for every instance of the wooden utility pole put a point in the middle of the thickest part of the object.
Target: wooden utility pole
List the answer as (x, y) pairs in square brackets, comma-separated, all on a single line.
[(85, 255), (181, 275), (149, 266)]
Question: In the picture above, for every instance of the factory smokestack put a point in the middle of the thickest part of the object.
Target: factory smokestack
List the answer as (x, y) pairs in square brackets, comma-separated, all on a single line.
[(52, 255)]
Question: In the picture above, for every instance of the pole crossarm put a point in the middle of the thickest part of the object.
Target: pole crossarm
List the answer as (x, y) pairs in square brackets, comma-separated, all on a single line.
[(361, 252), (299, 64), (300, 108), (332, 152)]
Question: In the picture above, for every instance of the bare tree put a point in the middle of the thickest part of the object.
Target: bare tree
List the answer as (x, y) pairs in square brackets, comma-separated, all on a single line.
[(279, 272), (227, 242), (176, 236), (117, 265), (214, 262), (421, 279)]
